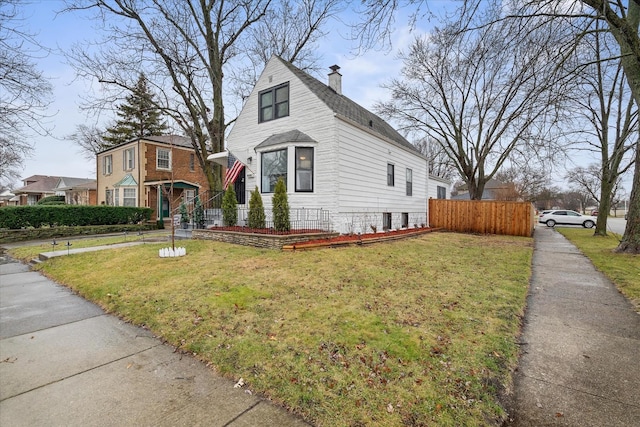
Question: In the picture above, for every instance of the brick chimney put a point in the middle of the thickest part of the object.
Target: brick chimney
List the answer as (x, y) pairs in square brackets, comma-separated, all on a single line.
[(335, 79)]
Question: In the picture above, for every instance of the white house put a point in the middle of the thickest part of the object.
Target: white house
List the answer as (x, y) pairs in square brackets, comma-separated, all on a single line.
[(332, 153)]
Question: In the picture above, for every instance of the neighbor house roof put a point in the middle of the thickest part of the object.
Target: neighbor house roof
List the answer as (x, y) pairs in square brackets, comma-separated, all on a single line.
[(179, 141), (345, 107), (80, 184), (281, 138), (66, 182), (45, 184)]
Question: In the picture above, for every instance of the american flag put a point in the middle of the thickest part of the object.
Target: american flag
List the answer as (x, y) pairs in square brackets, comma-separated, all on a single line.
[(232, 173)]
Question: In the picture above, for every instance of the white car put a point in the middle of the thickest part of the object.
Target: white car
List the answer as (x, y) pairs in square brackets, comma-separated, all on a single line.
[(565, 217)]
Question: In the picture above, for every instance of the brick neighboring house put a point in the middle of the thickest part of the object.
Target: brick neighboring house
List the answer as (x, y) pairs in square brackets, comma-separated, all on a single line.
[(141, 172), (37, 187)]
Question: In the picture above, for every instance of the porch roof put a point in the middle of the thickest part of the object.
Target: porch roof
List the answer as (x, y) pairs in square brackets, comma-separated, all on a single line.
[(127, 181), (281, 138), (178, 183)]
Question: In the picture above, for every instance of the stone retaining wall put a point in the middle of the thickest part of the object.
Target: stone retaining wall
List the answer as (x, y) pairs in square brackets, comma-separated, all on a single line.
[(269, 241)]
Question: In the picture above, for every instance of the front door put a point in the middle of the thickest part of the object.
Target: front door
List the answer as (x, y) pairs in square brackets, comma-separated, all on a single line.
[(239, 187), (165, 208)]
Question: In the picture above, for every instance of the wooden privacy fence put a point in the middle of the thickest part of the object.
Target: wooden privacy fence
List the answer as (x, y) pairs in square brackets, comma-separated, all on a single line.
[(483, 216)]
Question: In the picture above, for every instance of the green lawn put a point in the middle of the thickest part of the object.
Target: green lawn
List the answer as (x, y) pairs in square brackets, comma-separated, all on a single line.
[(421, 331), (621, 269)]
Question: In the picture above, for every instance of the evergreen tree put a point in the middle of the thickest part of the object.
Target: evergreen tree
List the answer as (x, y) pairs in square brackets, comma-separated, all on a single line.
[(229, 207), (256, 210), (281, 207), (138, 116), (198, 213)]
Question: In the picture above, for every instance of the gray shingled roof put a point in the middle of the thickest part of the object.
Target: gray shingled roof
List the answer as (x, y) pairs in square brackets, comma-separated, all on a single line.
[(281, 138), (345, 107)]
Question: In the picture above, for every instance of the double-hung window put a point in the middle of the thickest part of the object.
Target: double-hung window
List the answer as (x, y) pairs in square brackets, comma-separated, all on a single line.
[(409, 182), (273, 167), (390, 175), (128, 197), (442, 192), (128, 159), (107, 165), (304, 169), (163, 158), (274, 103), (109, 198)]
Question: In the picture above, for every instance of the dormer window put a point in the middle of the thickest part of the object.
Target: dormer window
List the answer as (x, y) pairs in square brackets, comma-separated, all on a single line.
[(274, 103)]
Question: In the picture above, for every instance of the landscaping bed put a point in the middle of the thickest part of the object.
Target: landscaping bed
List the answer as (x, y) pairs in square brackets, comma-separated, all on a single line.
[(357, 239)]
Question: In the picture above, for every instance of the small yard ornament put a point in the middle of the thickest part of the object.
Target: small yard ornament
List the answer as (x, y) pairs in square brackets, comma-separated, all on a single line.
[(171, 253)]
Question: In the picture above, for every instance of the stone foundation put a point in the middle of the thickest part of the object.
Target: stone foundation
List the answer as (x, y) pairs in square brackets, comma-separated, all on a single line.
[(269, 241)]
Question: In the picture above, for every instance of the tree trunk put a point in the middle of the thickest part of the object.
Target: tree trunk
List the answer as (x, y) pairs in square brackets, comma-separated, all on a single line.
[(606, 187), (631, 240)]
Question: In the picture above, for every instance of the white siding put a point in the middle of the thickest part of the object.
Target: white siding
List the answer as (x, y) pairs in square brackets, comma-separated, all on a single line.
[(350, 164), (307, 114), (434, 183), (364, 193)]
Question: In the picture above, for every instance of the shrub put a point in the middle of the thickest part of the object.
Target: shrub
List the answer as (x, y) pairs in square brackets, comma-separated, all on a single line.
[(281, 207), (16, 217), (184, 213), (256, 210), (229, 207), (51, 200), (198, 213)]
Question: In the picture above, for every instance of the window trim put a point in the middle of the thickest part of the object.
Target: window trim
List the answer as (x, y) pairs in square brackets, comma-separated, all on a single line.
[(126, 161), (124, 196), (311, 169), (158, 150), (391, 175), (274, 103), (108, 197), (409, 182), (387, 221), (107, 170), (262, 169)]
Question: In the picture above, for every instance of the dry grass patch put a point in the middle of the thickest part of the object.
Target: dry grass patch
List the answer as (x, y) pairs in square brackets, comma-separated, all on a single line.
[(622, 269), (414, 332)]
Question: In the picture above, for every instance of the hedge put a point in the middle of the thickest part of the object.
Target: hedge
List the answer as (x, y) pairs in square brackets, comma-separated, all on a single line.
[(9, 236), (17, 217), (51, 200)]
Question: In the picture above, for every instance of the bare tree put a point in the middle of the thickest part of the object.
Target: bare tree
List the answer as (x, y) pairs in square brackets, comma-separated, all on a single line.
[(526, 181), (90, 139), (481, 94), (287, 30), (440, 164), (604, 115), (185, 48), (622, 19), (589, 181), (24, 91)]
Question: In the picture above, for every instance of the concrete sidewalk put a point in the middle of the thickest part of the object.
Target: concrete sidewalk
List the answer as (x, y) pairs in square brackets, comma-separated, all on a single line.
[(63, 361), (580, 363)]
